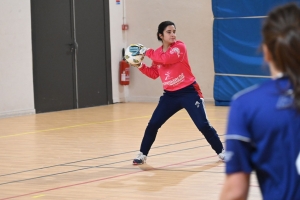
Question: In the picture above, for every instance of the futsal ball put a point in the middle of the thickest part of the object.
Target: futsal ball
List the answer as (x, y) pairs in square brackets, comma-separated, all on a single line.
[(132, 55)]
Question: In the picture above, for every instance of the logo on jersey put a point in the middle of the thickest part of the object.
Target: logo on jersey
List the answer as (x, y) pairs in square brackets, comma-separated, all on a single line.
[(167, 75), (175, 50), (285, 100), (197, 104), (175, 81), (298, 164), (158, 66)]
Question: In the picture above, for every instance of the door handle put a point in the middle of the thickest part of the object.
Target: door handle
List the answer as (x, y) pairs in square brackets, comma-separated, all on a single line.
[(73, 46)]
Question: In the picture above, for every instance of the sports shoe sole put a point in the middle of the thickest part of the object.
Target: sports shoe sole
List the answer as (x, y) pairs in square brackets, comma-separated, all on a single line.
[(135, 163)]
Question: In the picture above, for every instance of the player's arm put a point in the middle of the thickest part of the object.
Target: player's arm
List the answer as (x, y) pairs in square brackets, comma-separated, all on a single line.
[(236, 186), (239, 148), (151, 72), (238, 168), (173, 55)]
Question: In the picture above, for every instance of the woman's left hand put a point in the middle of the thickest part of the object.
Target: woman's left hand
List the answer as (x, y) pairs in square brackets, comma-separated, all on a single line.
[(142, 50), (136, 65)]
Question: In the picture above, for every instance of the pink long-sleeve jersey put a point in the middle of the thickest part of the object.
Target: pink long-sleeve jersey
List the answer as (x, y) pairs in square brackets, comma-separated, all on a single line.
[(171, 66)]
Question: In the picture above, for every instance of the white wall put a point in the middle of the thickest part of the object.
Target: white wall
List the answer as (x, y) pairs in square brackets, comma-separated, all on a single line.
[(193, 19), (16, 82), (118, 41)]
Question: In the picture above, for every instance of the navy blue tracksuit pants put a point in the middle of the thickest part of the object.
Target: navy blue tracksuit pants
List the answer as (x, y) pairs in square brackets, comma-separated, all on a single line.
[(170, 103)]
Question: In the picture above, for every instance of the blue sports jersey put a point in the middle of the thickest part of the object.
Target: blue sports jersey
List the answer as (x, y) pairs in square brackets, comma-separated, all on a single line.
[(263, 135)]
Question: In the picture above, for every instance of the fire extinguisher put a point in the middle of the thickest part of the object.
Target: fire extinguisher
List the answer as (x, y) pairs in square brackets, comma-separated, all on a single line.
[(124, 70)]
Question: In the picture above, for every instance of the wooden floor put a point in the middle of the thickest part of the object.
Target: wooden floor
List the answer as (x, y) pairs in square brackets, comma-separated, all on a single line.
[(86, 154)]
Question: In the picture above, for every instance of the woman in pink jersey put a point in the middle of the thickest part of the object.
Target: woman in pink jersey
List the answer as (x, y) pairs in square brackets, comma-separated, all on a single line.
[(170, 63)]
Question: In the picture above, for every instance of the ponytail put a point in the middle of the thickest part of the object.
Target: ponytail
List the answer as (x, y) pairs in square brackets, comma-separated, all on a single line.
[(281, 33)]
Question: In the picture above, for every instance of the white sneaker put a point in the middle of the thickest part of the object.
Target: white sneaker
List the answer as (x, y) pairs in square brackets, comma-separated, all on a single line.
[(222, 155), (140, 159)]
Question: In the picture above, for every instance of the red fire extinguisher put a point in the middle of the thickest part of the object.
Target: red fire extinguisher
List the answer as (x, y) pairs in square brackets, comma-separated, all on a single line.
[(124, 70)]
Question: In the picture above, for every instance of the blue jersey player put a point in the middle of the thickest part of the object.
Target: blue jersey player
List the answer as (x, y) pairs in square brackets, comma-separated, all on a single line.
[(263, 132)]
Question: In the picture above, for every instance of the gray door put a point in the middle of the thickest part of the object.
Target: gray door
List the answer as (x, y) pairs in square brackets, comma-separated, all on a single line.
[(92, 53), (64, 77), (52, 59)]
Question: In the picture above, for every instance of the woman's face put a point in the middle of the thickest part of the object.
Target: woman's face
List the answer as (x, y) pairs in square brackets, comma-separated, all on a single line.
[(169, 35)]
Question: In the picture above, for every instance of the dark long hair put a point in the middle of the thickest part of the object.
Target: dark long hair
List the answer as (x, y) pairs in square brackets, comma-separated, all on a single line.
[(162, 26), (281, 34)]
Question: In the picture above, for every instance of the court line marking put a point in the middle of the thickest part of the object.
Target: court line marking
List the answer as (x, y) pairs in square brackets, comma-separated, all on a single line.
[(82, 125), (90, 167), (38, 196), (73, 126), (101, 179), (117, 154), (170, 170)]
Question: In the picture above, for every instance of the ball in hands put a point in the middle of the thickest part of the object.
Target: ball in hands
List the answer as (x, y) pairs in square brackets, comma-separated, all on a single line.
[(132, 54)]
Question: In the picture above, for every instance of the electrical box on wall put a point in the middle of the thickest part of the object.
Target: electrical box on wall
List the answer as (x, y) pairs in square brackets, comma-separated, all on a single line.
[(125, 27)]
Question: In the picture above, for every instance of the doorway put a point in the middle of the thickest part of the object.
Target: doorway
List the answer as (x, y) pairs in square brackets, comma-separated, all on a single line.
[(71, 54)]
